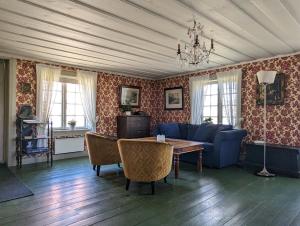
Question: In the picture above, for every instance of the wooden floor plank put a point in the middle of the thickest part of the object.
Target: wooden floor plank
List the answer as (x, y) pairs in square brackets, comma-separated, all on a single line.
[(71, 194)]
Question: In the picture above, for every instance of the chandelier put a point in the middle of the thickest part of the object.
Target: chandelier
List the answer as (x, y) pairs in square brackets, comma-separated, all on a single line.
[(195, 52)]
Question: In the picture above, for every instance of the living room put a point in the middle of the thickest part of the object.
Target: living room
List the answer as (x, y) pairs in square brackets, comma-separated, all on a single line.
[(128, 112)]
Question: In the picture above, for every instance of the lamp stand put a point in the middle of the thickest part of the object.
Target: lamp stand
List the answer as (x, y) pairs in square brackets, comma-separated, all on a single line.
[(264, 172)]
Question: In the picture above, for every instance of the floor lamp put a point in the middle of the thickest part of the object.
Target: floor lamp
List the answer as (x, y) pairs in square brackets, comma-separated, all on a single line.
[(265, 78)]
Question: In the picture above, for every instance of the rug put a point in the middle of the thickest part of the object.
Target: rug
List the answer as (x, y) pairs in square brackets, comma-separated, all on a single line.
[(10, 186)]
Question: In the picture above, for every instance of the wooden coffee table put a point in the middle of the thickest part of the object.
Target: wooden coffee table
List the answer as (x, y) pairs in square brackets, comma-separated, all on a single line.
[(182, 147)]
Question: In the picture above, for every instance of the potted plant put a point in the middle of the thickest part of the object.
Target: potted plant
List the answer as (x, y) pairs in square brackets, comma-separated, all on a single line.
[(208, 120), (127, 109), (72, 124)]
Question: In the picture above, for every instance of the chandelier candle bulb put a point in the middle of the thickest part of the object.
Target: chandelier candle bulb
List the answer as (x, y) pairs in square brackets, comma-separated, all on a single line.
[(178, 49), (197, 41)]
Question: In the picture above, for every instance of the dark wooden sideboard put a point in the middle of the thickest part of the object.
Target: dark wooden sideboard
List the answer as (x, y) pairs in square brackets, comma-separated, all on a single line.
[(133, 126)]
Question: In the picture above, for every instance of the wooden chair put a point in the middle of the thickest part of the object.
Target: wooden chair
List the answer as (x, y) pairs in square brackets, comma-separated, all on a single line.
[(145, 161), (103, 150)]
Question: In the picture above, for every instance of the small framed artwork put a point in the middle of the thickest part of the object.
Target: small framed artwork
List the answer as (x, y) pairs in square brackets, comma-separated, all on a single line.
[(25, 87), (130, 95), (174, 98), (275, 91)]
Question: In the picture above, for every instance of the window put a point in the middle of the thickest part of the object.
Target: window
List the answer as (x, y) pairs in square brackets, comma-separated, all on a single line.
[(213, 105), (217, 97), (67, 106), (56, 113), (210, 105), (231, 96)]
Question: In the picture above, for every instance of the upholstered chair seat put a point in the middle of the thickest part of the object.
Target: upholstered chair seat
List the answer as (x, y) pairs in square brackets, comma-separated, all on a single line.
[(103, 150), (145, 161)]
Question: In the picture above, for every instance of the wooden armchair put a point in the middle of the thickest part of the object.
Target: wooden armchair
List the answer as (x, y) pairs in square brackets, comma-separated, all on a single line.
[(145, 161), (103, 150)]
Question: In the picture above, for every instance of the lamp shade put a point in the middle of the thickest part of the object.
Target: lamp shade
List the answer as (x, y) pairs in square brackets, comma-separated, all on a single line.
[(266, 77)]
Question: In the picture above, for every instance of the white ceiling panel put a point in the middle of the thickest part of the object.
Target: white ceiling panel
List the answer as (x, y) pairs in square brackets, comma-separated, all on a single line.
[(140, 37)]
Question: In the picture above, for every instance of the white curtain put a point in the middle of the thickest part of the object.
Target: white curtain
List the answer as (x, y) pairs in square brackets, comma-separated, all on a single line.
[(230, 92), (46, 78), (88, 91), (197, 97)]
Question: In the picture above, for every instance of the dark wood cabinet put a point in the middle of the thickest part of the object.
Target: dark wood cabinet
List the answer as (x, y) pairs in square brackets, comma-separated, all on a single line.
[(280, 159), (134, 126)]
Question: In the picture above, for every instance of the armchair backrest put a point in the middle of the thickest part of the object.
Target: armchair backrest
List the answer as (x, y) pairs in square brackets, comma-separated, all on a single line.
[(145, 161), (102, 149)]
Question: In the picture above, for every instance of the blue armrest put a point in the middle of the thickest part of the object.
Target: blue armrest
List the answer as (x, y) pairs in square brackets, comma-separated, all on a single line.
[(235, 134), (227, 147)]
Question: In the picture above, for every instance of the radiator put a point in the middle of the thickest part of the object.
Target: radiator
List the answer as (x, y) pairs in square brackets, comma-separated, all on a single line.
[(68, 145)]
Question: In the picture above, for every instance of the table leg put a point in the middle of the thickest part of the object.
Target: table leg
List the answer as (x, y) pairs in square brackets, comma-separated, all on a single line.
[(20, 161), (17, 158), (176, 165), (199, 162), (173, 160)]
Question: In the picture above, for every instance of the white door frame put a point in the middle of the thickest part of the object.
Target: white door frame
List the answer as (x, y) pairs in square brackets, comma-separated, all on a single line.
[(10, 116), (3, 76)]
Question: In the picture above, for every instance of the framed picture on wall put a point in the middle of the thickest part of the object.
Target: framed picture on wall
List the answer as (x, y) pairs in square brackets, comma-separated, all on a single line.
[(275, 91), (130, 95), (25, 87), (174, 98)]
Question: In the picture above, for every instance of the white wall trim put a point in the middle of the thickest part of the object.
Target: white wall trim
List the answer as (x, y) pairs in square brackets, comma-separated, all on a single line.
[(2, 106), (229, 65), (43, 159), (112, 73), (11, 129)]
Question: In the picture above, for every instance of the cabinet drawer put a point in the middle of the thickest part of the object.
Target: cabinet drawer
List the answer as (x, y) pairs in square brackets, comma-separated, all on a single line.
[(138, 123), (138, 133), (133, 126)]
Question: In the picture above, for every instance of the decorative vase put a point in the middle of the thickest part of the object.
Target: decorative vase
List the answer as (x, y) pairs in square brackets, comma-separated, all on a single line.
[(127, 113), (72, 127)]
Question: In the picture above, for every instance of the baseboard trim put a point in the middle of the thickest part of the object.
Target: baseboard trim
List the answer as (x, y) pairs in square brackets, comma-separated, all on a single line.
[(33, 160)]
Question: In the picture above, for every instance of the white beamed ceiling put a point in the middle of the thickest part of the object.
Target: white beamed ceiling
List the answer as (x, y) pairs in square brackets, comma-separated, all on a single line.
[(139, 37)]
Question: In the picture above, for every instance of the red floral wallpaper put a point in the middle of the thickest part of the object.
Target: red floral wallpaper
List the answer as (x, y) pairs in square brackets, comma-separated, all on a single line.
[(283, 125), (25, 73), (108, 100), (283, 120), (107, 94)]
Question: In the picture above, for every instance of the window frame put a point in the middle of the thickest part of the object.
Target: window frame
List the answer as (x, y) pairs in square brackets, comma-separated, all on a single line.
[(64, 92), (220, 102), (211, 82)]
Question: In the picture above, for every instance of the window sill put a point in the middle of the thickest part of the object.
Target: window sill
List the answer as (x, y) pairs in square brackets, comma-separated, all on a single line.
[(67, 133), (71, 130)]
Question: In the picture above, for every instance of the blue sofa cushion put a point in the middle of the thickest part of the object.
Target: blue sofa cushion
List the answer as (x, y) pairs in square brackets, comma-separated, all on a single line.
[(205, 132), (201, 133), (224, 127), (191, 130), (183, 128), (213, 129), (170, 130)]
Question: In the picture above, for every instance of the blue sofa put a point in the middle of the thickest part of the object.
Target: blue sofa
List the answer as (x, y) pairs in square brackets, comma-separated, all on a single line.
[(221, 142)]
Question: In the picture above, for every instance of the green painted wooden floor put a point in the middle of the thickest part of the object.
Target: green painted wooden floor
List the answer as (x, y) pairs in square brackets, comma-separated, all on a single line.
[(70, 193)]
